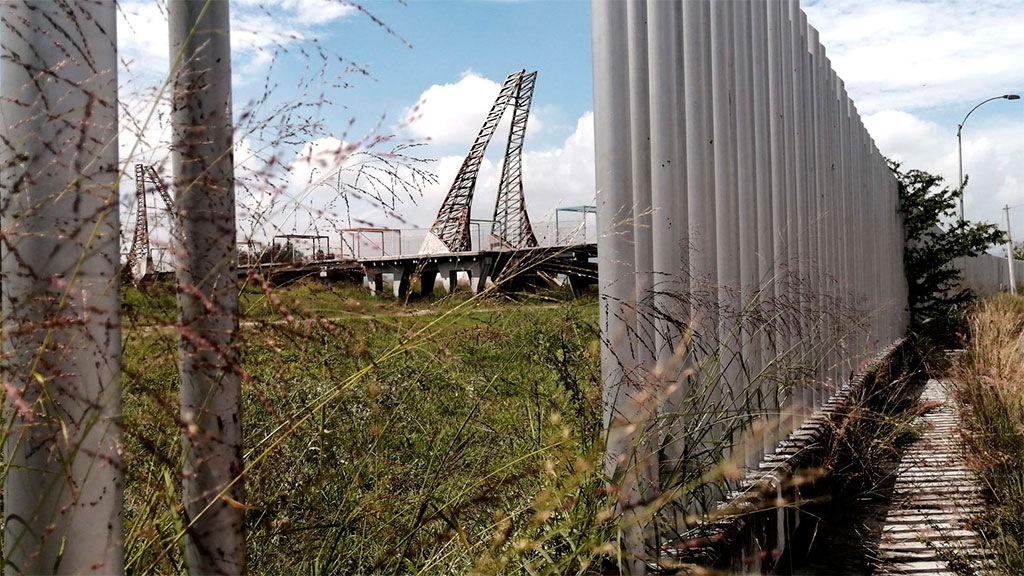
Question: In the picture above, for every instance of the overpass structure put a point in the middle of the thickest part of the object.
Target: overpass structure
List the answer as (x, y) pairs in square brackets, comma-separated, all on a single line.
[(511, 257), (515, 258)]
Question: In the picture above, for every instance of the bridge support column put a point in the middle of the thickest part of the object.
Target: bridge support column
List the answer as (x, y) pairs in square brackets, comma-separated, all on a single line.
[(478, 275), (374, 280), (400, 284), (427, 280)]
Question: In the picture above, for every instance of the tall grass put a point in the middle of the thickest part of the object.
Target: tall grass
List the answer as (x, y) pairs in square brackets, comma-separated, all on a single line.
[(454, 437), (990, 385)]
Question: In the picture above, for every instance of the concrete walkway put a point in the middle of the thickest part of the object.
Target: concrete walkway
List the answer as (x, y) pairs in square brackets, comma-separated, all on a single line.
[(927, 529)]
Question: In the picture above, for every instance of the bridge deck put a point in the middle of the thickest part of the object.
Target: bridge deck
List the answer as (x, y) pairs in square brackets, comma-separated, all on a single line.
[(576, 250)]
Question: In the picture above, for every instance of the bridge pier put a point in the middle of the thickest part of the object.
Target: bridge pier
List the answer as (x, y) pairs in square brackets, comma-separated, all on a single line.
[(476, 270), (374, 280), (400, 281), (427, 280), (514, 269)]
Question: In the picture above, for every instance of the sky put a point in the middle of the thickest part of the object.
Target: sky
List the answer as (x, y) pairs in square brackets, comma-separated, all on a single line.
[(421, 75)]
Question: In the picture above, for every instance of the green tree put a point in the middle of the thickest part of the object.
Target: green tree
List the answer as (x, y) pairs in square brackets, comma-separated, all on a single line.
[(934, 238), (1018, 251)]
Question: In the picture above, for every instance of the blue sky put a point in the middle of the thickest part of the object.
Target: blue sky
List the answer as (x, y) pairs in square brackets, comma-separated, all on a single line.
[(451, 37), (913, 67)]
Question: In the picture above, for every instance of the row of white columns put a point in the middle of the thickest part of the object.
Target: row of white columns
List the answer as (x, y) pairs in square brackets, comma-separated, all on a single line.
[(750, 245)]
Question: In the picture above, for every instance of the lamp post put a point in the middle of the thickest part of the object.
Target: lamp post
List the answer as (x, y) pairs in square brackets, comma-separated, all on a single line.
[(960, 148), (1009, 252)]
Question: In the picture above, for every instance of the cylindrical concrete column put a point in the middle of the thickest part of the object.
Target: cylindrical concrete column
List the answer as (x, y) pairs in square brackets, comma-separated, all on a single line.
[(727, 234), (624, 397), (766, 233), (61, 297), (781, 247), (668, 184), (640, 154), (747, 176)]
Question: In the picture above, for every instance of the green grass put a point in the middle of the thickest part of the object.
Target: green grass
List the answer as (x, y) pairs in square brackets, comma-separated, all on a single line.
[(990, 385), (452, 436)]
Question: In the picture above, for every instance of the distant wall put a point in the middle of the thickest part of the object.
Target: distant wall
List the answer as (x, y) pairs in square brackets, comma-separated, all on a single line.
[(988, 274)]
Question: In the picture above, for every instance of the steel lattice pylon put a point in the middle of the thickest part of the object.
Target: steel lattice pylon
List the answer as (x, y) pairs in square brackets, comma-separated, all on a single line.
[(511, 222), (512, 225), (140, 258)]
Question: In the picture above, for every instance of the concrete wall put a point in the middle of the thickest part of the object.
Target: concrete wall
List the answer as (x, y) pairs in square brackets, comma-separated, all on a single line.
[(750, 245), (987, 274)]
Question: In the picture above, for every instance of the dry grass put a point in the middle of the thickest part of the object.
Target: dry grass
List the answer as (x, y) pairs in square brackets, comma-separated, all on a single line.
[(990, 386)]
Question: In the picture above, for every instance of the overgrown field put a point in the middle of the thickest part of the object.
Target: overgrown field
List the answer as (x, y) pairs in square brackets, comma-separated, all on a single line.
[(444, 437), (991, 387)]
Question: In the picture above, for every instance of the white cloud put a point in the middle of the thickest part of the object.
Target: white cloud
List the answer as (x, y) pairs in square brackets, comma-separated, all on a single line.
[(910, 54), (259, 28), (991, 158), (450, 115), (306, 11)]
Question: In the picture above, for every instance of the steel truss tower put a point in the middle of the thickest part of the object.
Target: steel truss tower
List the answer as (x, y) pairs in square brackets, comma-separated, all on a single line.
[(140, 258), (511, 222)]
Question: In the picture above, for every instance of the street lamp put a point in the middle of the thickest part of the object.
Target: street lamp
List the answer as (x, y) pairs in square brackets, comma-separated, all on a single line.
[(960, 147)]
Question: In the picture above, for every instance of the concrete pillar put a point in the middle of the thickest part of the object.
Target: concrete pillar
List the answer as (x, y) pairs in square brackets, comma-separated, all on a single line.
[(478, 276), (400, 282), (669, 236), (668, 186), (781, 248), (427, 280), (643, 219), (749, 338), (763, 151), (723, 85), (61, 300), (700, 175), (624, 398)]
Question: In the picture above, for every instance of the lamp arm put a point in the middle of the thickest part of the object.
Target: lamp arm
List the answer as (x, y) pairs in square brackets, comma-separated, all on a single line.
[(964, 121)]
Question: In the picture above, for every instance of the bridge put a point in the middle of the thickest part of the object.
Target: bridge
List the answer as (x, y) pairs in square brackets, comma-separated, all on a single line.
[(511, 257)]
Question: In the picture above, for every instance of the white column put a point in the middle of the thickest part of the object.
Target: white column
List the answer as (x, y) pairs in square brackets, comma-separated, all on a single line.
[(813, 190), (700, 198), (668, 182), (795, 310), (747, 176), (779, 151), (766, 234), (640, 140), (623, 397), (640, 151), (202, 156), (846, 225), (727, 236), (61, 299)]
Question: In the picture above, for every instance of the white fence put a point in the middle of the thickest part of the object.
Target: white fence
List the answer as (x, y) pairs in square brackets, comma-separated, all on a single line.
[(740, 200)]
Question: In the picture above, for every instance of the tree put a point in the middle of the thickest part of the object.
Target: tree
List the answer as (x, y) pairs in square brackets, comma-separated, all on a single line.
[(1018, 251), (934, 238), (61, 304)]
